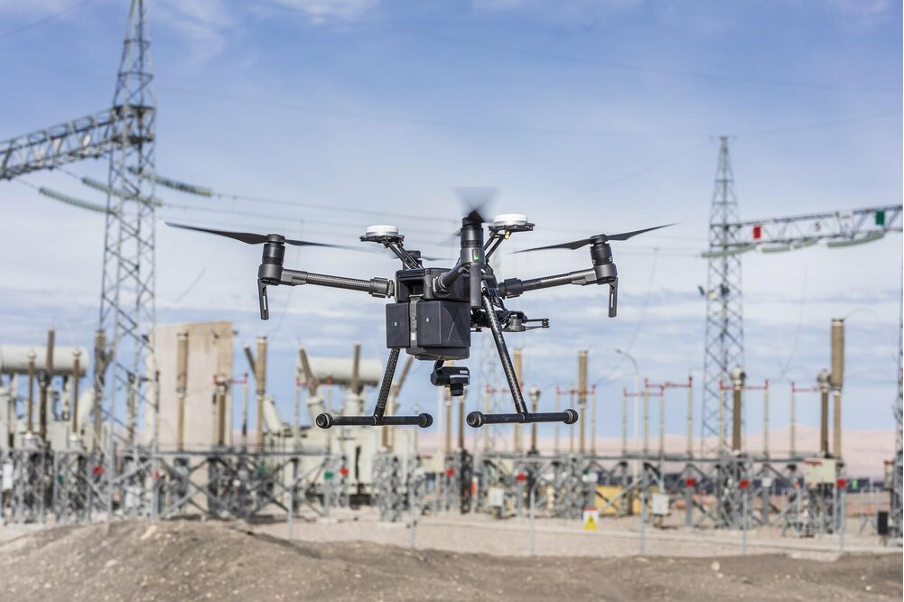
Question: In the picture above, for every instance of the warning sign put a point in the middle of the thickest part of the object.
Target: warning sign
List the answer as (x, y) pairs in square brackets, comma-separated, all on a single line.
[(591, 518)]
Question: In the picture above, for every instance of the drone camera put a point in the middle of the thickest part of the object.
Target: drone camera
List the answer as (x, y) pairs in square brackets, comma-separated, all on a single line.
[(454, 377)]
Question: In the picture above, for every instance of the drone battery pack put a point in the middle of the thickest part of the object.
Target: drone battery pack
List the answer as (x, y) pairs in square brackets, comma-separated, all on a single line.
[(437, 329), (443, 324), (398, 333)]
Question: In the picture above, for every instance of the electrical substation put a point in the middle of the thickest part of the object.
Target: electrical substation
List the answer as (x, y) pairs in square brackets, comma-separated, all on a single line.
[(153, 421)]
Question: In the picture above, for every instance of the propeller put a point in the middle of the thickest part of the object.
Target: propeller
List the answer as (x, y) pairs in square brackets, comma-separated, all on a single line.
[(476, 200), (598, 238), (250, 238)]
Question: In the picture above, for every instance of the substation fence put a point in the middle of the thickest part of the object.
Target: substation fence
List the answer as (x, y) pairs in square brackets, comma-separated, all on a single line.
[(77, 487)]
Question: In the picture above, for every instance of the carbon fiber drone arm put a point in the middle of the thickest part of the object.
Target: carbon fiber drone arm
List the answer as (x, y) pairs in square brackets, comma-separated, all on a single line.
[(272, 274), (375, 287), (514, 287)]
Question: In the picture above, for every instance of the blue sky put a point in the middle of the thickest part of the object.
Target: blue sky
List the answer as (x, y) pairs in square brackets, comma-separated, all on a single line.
[(588, 116)]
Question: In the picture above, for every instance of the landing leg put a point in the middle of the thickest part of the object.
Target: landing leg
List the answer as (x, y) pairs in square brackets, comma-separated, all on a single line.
[(326, 421), (521, 415)]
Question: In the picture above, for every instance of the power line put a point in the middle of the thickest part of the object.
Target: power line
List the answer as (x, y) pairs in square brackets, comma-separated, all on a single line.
[(744, 79), (820, 124), (639, 172), (25, 27)]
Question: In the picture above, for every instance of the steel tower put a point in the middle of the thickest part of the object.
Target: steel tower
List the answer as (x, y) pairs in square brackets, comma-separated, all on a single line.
[(127, 286), (724, 322)]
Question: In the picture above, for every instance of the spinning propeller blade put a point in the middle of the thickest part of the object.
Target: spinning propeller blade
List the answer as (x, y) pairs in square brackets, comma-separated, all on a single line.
[(476, 200), (577, 244)]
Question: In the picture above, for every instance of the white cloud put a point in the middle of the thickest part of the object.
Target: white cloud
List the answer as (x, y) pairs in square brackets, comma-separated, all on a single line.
[(33, 7), (324, 11)]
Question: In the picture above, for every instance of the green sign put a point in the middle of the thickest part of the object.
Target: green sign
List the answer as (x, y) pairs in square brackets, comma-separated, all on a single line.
[(327, 475)]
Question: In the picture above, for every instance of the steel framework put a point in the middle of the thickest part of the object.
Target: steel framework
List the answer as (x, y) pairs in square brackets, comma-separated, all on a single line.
[(729, 237), (724, 338), (127, 286)]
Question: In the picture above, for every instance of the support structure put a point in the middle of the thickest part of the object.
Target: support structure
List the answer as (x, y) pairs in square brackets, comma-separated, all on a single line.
[(724, 338), (127, 286), (729, 237)]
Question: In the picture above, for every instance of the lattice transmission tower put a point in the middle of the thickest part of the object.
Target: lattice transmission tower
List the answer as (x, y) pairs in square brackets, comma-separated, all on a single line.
[(724, 339), (124, 134), (127, 286)]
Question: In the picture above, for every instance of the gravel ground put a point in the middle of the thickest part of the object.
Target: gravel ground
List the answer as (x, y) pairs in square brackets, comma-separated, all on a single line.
[(187, 560)]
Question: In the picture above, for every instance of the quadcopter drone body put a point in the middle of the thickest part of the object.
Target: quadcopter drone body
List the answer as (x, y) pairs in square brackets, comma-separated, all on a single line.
[(435, 310)]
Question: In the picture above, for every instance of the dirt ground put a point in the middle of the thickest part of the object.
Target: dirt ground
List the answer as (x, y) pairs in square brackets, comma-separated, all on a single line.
[(189, 560)]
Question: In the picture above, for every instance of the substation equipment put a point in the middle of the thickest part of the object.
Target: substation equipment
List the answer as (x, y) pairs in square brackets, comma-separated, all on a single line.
[(118, 443)]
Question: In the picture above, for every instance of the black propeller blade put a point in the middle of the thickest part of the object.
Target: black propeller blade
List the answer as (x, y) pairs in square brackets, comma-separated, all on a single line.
[(258, 239), (577, 244), (476, 201)]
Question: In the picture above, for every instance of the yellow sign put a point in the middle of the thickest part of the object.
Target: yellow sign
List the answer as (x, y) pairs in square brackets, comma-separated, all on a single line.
[(591, 519)]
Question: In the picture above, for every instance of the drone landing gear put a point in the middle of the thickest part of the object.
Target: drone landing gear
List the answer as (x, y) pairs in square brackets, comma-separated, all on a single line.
[(521, 414), (326, 421)]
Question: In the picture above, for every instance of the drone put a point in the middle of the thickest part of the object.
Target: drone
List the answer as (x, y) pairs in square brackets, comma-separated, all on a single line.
[(434, 310)]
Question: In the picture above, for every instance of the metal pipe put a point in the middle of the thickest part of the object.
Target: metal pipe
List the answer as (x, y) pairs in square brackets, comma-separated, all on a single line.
[(221, 410), (582, 397), (517, 361), (45, 386), (31, 393), (738, 377), (837, 381), (535, 407), (766, 420), (661, 421), (245, 390), (181, 386), (836, 424), (260, 379), (646, 420), (690, 417), (355, 383), (822, 381), (76, 354)]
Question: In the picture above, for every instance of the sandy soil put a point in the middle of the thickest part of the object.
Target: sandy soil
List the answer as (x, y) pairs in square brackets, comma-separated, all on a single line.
[(214, 561)]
